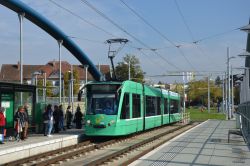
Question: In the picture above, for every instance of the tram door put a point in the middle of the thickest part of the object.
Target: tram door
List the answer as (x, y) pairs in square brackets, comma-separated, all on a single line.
[(7, 101)]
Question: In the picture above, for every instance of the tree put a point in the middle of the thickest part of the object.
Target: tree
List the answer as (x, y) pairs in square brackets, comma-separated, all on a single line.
[(49, 88), (76, 85), (218, 81), (49, 92), (136, 72), (197, 92)]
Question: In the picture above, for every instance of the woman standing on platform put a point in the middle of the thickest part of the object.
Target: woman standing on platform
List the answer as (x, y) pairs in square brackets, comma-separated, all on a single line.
[(49, 114), (78, 118), (26, 121), (68, 117), (61, 118), (2, 124), (20, 120)]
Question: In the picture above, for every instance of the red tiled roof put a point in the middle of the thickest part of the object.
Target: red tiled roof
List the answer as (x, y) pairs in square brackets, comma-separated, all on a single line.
[(11, 72)]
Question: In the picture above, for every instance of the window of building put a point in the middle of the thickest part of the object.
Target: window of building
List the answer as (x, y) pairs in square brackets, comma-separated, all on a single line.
[(174, 106), (136, 106), (125, 107), (166, 106)]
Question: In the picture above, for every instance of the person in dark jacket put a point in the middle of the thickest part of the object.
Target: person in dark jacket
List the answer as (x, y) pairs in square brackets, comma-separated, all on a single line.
[(68, 117), (26, 121), (20, 123), (49, 114), (45, 122), (78, 118), (56, 118), (2, 124), (61, 118)]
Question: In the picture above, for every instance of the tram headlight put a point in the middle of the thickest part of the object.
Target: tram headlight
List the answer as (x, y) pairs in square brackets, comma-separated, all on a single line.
[(88, 122), (112, 122)]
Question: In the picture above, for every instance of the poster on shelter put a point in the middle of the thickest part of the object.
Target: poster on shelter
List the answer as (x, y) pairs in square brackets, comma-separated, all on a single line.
[(6, 105)]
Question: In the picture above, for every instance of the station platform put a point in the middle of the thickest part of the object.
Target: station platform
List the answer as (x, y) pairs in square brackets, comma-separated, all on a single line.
[(13, 150), (205, 144)]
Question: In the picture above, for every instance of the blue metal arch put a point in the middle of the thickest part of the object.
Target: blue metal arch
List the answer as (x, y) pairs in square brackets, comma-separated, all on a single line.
[(19, 7)]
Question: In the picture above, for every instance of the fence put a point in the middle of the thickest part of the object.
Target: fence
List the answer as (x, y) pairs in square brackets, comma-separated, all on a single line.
[(185, 117), (244, 112), (55, 100)]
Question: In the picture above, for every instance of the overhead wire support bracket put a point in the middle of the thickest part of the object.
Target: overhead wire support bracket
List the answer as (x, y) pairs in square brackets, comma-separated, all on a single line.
[(111, 53)]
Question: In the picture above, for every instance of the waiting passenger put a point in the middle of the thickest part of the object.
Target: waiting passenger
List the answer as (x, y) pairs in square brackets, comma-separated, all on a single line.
[(61, 118), (68, 117), (45, 122), (56, 118), (78, 118), (2, 124), (20, 123), (49, 114), (26, 120)]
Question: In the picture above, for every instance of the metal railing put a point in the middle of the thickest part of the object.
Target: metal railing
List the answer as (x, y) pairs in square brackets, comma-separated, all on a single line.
[(244, 112), (185, 117), (53, 100)]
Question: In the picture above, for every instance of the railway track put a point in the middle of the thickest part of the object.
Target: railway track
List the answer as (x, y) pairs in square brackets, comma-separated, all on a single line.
[(121, 151)]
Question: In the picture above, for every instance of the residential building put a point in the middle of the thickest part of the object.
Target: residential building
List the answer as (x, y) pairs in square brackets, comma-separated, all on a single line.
[(11, 72)]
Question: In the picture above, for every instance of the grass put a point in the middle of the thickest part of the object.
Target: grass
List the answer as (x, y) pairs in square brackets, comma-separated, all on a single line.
[(197, 115)]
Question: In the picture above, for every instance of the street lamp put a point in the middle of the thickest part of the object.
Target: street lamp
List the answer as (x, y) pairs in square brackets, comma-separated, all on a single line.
[(44, 87), (228, 84), (60, 42), (86, 73), (71, 88), (128, 68)]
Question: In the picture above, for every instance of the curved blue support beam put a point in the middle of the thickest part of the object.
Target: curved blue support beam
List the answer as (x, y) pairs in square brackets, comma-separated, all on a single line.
[(19, 7)]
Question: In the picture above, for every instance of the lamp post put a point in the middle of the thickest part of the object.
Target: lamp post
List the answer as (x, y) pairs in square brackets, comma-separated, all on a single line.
[(129, 72), (71, 89), (44, 87), (232, 91), (208, 93), (226, 92), (21, 16), (223, 95), (86, 73), (184, 94), (36, 73), (60, 71), (228, 85)]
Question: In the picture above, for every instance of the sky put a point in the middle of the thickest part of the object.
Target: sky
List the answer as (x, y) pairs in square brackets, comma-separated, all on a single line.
[(167, 36)]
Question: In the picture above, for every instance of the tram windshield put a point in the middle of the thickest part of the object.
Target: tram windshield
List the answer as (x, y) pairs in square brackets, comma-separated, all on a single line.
[(102, 104)]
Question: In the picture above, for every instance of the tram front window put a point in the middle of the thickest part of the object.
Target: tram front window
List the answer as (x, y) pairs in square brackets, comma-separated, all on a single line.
[(101, 104)]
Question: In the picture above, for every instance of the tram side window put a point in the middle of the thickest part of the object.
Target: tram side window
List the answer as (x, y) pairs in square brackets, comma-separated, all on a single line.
[(136, 106), (165, 106), (173, 106), (158, 106), (151, 106), (125, 107)]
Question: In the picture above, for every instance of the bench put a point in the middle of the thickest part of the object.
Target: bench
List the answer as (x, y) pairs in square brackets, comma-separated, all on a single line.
[(236, 132)]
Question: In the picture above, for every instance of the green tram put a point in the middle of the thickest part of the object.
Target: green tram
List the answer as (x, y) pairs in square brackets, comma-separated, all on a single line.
[(122, 108)]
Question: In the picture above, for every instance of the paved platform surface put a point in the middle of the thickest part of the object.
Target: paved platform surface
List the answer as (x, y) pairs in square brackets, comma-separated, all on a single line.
[(206, 144), (38, 143)]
